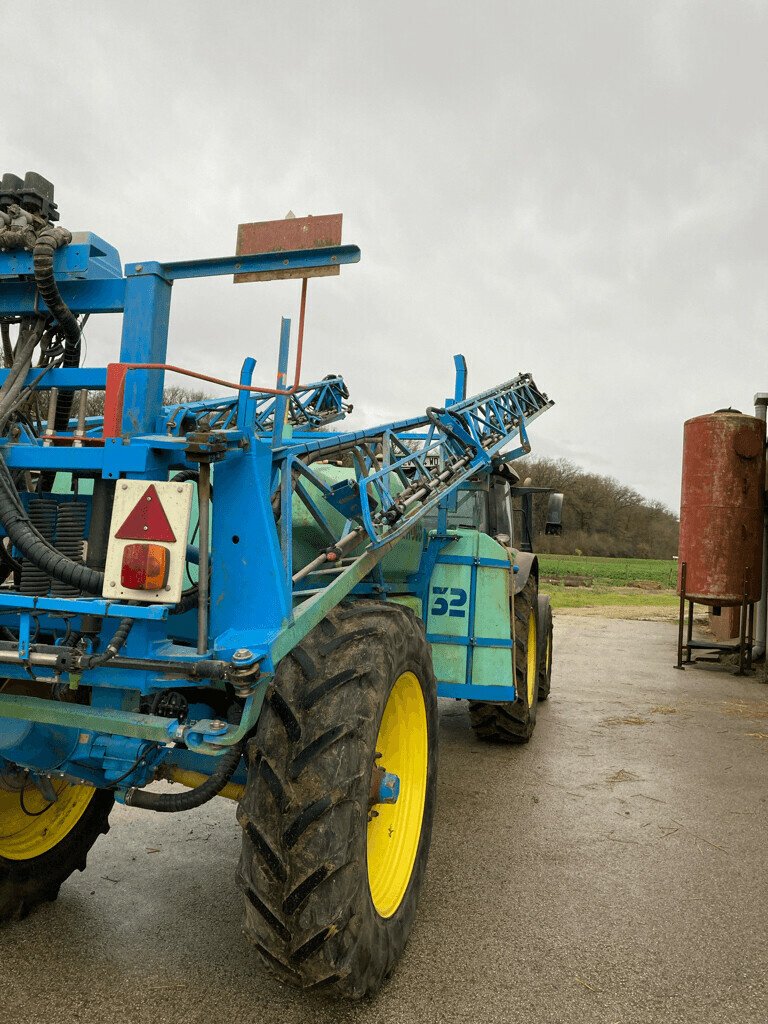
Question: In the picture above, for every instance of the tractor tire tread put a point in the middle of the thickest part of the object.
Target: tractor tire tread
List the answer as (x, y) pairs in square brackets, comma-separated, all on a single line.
[(545, 634), (303, 868), (511, 721), (24, 884)]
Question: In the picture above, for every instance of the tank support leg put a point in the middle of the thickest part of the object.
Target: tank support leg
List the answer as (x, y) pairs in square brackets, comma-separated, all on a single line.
[(681, 619), (743, 624)]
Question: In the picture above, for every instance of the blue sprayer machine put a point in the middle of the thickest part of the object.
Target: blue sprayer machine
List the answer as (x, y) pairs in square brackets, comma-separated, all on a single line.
[(239, 596)]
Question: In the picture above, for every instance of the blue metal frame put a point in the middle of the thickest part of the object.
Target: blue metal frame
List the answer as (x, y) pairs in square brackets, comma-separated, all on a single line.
[(260, 607)]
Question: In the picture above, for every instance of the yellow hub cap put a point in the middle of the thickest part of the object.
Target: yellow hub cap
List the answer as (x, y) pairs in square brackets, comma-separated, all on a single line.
[(531, 679), (395, 829), (30, 825)]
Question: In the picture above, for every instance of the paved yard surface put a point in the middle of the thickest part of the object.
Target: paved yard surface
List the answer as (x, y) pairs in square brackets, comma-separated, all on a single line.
[(615, 869)]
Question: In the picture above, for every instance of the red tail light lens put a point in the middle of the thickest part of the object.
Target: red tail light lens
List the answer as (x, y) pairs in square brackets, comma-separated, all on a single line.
[(145, 567)]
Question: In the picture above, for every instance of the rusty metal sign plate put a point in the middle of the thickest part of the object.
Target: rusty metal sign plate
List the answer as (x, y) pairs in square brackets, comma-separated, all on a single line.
[(285, 236)]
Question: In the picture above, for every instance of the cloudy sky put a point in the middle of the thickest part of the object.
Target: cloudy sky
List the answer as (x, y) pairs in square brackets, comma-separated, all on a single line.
[(570, 187)]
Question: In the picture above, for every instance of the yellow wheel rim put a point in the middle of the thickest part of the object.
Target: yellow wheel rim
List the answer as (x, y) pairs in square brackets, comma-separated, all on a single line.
[(395, 829), (44, 825), (531, 680)]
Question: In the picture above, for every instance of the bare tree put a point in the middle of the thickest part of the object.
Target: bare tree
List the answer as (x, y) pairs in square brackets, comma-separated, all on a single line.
[(173, 395), (601, 516)]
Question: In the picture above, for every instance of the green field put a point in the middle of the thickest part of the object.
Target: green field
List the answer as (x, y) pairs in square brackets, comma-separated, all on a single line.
[(611, 579), (598, 597), (616, 572)]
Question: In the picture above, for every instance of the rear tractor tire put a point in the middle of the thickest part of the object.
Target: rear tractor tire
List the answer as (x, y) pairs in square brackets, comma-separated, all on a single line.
[(331, 864), (43, 842), (514, 721), (545, 647)]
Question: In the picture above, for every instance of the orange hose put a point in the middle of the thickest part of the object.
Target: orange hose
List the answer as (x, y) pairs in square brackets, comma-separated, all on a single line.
[(230, 384)]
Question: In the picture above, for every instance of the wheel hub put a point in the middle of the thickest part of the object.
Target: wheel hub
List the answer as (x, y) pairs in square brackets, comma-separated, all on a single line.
[(385, 786)]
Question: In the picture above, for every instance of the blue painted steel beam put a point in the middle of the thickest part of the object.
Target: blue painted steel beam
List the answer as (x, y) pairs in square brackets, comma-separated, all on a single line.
[(460, 387), (470, 641), (145, 340), (298, 259), (86, 257), (94, 378), (98, 296), (463, 691), (11, 601), (111, 461)]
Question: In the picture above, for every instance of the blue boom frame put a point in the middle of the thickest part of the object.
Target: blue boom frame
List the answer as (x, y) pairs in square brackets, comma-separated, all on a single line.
[(264, 446)]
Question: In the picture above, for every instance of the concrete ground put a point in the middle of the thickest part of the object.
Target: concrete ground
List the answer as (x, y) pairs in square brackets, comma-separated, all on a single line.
[(612, 870)]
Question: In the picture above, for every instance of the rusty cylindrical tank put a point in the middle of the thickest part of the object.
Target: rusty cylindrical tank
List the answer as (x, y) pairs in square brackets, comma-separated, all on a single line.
[(721, 507)]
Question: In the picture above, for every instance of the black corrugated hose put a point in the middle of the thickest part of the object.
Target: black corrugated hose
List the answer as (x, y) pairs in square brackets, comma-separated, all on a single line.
[(35, 547), (172, 802), (189, 597), (112, 649), (22, 532), (13, 516), (48, 241)]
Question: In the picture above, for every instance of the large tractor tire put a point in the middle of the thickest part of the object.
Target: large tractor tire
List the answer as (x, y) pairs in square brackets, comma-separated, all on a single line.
[(331, 874), (545, 647), (514, 721), (42, 842)]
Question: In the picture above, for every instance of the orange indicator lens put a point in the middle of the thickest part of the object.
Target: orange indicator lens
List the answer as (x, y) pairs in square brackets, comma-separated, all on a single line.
[(145, 567)]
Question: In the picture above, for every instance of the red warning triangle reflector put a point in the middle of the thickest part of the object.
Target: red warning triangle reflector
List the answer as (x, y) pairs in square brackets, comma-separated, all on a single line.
[(147, 520)]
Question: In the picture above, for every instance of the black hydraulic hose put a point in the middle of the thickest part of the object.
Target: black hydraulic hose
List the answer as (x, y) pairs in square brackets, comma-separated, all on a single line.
[(8, 565), (173, 802), (48, 241), (29, 336), (189, 597), (7, 349), (433, 415), (112, 649), (35, 547), (188, 600)]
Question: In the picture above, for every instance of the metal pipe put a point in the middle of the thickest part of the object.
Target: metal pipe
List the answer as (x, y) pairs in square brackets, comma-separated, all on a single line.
[(743, 623), (203, 499), (53, 401), (351, 540), (761, 409), (81, 410), (9, 655), (681, 619), (281, 402)]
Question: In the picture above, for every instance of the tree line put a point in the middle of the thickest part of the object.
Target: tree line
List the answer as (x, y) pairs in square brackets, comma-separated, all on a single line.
[(600, 515), (173, 395)]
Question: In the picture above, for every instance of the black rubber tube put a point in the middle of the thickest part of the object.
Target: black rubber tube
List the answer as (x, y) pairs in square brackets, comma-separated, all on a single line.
[(187, 601), (189, 597), (35, 547), (173, 802), (112, 649), (48, 241)]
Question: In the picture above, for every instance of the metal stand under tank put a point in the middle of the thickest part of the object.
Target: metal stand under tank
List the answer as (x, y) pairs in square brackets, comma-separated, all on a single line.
[(721, 526), (685, 626)]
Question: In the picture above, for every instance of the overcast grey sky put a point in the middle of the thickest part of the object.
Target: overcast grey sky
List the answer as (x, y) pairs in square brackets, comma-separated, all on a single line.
[(571, 188)]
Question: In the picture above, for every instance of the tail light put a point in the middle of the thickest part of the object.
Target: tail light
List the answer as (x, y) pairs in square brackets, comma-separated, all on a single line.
[(145, 567), (147, 551)]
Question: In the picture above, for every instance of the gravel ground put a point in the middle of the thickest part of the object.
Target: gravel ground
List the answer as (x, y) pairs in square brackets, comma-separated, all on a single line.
[(613, 870)]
